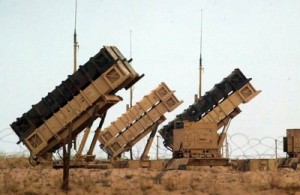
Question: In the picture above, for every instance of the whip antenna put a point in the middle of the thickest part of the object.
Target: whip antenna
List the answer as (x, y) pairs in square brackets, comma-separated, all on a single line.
[(200, 62), (131, 89), (75, 43)]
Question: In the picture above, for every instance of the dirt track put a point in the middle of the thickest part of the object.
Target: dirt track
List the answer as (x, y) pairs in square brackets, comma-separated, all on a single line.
[(17, 177)]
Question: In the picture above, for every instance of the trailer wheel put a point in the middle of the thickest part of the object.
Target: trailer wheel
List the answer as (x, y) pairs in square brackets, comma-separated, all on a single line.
[(33, 160), (294, 165)]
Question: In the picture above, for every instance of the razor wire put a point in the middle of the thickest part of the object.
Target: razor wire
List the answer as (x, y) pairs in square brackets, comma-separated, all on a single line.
[(240, 146), (9, 146), (236, 146)]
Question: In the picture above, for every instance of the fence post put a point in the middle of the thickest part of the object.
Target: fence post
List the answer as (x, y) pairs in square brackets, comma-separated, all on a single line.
[(157, 147), (276, 148)]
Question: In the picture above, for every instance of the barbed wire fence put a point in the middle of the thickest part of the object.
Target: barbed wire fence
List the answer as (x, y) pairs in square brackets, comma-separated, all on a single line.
[(236, 146), (9, 146), (241, 146)]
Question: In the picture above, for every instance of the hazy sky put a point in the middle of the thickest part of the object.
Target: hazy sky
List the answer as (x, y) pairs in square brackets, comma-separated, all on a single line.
[(259, 37)]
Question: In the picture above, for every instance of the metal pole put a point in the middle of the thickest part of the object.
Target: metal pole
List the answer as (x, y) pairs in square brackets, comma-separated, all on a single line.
[(131, 90), (75, 43), (157, 146), (64, 185), (276, 148), (200, 80), (195, 97), (75, 47), (67, 152), (200, 62), (66, 160), (130, 93), (75, 51)]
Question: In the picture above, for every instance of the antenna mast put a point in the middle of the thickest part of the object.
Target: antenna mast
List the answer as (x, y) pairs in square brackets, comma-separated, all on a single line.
[(75, 43), (75, 49), (131, 90), (200, 62), (67, 151)]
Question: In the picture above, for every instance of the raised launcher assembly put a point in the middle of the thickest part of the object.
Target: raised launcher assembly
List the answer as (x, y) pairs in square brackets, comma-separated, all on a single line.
[(291, 145), (141, 119), (193, 136), (75, 104)]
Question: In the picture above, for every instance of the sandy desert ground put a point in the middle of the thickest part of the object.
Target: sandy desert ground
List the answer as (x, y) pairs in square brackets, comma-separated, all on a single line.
[(18, 177)]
